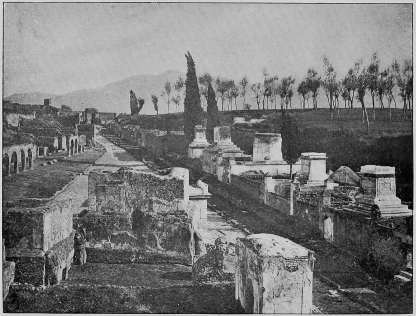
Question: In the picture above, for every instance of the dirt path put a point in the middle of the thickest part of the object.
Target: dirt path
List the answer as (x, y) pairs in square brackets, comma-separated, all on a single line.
[(332, 262)]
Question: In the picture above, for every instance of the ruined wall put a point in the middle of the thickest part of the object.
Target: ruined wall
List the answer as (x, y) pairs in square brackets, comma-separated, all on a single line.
[(57, 225), (14, 118), (23, 229), (278, 202), (307, 212), (59, 259), (89, 130), (111, 198), (272, 169), (250, 187), (40, 241), (29, 269), (209, 160), (8, 276), (149, 207)]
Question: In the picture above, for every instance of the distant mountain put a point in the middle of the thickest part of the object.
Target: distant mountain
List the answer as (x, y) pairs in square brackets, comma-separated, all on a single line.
[(29, 98), (114, 97)]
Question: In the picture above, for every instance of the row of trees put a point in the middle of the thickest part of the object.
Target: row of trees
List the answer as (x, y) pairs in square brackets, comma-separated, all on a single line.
[(379, 83)]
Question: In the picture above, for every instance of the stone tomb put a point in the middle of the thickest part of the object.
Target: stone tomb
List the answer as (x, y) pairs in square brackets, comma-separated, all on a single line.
[(199, 143), (267, 147), (313, 168), (379, 185), (273, 275)]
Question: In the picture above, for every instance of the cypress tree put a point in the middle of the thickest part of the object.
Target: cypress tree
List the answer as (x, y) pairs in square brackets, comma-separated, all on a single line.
[(291, 149), (192, 103), (213, 115)]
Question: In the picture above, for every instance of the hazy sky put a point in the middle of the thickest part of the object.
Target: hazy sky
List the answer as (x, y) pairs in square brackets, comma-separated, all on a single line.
[(57, 48)]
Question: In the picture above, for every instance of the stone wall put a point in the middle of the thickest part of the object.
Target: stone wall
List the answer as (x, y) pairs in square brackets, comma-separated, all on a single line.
[(278, 202), (40, 241), (57, 225), (29, 269), (250, 187), (58, 260), (14, 118), (150, 207), (8, 276), (89, 130)]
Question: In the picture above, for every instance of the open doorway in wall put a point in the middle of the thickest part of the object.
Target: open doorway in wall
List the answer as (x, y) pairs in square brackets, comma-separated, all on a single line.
[(6, 165), (14, 163), (328, 229)]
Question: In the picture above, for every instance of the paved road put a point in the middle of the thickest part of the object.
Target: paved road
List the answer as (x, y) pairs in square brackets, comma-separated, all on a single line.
[(113, 158)]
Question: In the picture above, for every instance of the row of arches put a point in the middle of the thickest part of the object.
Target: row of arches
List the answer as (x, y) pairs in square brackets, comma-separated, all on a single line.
[(17, 162)]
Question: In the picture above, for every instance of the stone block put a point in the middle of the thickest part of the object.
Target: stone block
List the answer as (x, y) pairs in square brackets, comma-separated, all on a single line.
[(273, 275), (267, 146), (8, 276), (313, 167)]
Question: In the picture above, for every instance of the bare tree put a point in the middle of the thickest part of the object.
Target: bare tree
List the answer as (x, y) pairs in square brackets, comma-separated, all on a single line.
[(234, 93), (345, 96), (256, 88), (243, 88), (404, 80), (389, 84), (362, 85), (204, 81), (303, 91), (373, 72), (167, 92), (179, 85), (313, 82), (350, 81), (329, 83), (221, 88), (285, 91)]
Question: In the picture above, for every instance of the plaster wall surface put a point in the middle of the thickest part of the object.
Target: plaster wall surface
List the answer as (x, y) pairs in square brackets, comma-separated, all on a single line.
[(267, 146), (273, 275)]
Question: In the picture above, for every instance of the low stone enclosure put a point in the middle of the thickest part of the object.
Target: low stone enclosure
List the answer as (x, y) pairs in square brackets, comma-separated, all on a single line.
[(354, 217), (40, 241), (155, 217), (18, 158)]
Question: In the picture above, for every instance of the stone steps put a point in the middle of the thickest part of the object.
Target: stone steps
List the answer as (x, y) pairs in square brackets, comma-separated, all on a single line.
[(400, 278), (406, 274)]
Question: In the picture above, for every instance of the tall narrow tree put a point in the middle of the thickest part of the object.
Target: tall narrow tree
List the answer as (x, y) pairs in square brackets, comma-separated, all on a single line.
[(290, 140), (134, 108), (192, 104), (213, 115), (155, 100), (141, 103)]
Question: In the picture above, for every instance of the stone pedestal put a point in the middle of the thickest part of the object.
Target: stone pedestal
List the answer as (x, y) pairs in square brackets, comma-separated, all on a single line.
[(313, 167), (267, 147), (273, 275), (198, 206), (379, 185), (199, 144)]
